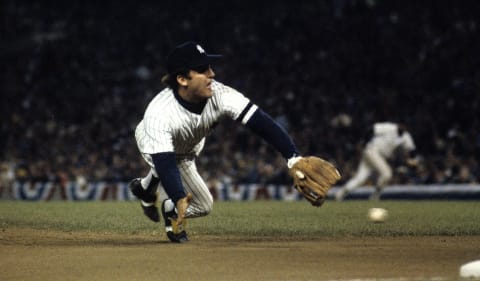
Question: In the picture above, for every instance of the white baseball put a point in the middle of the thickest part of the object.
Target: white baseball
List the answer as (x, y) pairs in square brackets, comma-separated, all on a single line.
[(300, 175), (377, 214)]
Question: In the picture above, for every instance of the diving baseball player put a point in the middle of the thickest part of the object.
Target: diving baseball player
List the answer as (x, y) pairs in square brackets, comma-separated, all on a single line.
[(382, 141), (172, 134)]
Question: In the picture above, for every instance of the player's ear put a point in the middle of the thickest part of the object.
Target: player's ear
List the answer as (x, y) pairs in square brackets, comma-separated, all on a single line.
[(182, 80)]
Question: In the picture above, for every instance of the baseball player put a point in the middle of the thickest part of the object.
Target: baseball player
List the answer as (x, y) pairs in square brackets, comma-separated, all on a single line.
[(172, 134), (382, 141)]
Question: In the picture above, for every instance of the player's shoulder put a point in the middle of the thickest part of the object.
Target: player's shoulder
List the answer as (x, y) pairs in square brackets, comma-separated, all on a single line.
[(386, 125), (161, 101), (163, 96), (221, 88), (165, 92), (382, 128), (222, 92)]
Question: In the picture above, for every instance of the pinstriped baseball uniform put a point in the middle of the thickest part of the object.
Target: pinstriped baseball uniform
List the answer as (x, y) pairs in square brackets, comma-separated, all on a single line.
[(168, 126), (172, 134)]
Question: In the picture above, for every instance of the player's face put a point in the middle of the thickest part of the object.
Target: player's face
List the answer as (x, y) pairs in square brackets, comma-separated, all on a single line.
[(199, 86)]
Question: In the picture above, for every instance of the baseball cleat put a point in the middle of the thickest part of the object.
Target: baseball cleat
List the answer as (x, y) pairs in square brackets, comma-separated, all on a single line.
[(181, 237), (175, 232), (148, 200), (151, 211)]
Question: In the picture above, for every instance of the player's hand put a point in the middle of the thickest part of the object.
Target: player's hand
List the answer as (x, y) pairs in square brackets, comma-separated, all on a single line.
[(313, 177), (182, 205), (412, 162)]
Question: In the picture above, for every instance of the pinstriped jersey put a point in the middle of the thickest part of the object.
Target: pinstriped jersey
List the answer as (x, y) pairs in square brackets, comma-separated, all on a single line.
[(167, 126)]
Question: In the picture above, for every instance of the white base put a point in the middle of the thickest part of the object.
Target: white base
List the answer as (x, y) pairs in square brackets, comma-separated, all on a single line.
[(471, 269)]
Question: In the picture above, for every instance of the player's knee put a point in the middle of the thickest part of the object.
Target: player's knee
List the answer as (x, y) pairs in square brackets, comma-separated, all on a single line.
[(208, 205), (386, 177)]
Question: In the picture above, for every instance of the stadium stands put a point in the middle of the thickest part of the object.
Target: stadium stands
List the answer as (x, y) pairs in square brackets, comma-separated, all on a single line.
[(78, 74)]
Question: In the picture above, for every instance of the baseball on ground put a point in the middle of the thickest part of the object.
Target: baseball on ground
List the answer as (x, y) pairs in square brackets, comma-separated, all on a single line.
[(377, 214)]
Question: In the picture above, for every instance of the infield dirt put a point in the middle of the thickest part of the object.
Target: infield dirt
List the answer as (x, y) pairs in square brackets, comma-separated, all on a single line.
[(28, 254)]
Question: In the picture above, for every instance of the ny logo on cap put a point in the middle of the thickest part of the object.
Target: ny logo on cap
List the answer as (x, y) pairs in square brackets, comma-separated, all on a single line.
[(200, 49)]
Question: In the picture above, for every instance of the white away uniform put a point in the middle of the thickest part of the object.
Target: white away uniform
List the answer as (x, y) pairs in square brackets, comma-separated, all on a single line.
[(385, 141)]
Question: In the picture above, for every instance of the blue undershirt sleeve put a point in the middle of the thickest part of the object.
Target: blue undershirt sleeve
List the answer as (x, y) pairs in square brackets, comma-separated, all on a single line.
[(169, 175), (264, 126)]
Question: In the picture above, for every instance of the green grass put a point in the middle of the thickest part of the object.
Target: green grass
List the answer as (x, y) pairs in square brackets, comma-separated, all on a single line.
[(258, 218)]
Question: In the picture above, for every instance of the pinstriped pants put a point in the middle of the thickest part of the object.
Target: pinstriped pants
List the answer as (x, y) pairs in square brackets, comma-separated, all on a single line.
[(202, 200)]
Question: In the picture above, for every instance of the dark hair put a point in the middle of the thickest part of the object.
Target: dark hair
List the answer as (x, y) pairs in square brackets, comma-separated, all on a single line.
[(170, 79)]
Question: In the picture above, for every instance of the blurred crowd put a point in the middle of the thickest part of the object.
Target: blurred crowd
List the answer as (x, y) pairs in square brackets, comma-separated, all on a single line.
[(77, 76)]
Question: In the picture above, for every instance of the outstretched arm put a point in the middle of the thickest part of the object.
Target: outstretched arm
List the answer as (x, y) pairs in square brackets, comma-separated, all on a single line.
[(312, 176), (263, 125)]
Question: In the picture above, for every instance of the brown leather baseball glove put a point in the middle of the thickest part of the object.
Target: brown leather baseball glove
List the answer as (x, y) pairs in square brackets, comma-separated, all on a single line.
[(313, 177), (182, 204)]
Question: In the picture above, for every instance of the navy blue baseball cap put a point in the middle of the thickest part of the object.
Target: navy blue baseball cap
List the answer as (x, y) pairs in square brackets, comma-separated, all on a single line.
[(187, 56)]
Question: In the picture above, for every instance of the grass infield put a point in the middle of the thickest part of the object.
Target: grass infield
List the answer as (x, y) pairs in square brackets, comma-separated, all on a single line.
[(255, 218)]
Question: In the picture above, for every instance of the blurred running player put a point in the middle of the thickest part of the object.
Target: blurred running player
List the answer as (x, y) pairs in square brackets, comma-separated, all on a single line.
[(382, 141)]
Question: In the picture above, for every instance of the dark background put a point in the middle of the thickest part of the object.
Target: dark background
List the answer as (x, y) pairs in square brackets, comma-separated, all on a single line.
[(76, 78)]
